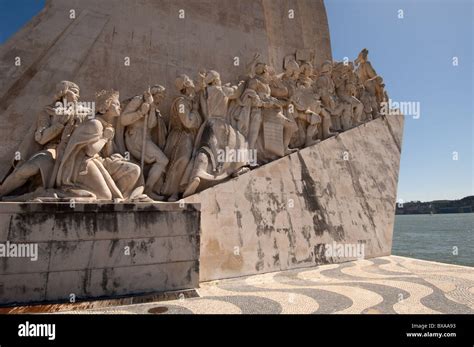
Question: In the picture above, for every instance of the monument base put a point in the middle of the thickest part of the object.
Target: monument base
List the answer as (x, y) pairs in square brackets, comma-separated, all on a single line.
[(87, 250)]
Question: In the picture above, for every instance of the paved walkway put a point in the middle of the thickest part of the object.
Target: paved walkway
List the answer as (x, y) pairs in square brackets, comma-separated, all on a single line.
[(382, 285)]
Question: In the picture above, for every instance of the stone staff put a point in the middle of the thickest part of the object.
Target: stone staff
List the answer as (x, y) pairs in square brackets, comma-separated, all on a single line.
[(149, 100)]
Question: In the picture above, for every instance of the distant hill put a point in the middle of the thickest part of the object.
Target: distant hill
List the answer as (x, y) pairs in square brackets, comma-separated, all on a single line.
[(464, 205)]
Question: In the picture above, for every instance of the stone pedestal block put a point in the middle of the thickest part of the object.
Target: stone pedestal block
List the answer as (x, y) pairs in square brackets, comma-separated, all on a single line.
[(96, 250)]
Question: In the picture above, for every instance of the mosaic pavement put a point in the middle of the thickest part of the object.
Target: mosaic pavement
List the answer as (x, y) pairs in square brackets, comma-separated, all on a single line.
[(389, 284)]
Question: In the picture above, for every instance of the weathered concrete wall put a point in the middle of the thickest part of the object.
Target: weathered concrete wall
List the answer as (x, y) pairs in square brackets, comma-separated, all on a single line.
[(82, 250), (281, 216), (91, 49)]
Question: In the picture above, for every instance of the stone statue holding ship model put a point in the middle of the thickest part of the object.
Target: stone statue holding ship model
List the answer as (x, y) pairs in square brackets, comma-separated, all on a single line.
[(112, 155)]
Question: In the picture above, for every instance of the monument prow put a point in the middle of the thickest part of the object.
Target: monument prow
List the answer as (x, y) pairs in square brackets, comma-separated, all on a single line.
[(134, 104), (328, 203)]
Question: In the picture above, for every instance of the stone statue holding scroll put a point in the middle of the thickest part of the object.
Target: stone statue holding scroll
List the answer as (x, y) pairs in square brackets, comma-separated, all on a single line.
[(279, 124), (256, 103)]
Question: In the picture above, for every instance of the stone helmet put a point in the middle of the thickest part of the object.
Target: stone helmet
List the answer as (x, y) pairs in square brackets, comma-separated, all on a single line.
[(62, 88)]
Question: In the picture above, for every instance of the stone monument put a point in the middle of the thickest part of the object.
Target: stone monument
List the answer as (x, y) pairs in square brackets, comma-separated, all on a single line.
[(184, 141)]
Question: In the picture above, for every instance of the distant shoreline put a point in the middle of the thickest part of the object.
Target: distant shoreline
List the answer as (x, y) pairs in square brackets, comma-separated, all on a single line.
[(429, 214), (464, 205)]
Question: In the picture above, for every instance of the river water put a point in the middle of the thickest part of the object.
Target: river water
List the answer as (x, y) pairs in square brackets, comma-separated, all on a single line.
[(446, 238)]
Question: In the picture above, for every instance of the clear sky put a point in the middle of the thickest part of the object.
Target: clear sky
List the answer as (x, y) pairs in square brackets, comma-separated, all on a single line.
[(16, 13), (414, 55)]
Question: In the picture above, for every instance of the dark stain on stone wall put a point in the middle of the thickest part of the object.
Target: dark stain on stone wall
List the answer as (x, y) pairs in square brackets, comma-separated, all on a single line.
[(20, 227), (113, 245), (261, 257), (255, 201), (306, 235), (360, 192), (86, 281), (238, 214), (290, 233), (276, 253), (320, 254), (309, 190), (320, 223)]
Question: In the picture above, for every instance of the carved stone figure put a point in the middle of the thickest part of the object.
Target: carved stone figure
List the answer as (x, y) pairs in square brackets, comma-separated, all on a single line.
[(90, 169), (345, 83), (255, 102), (39, 152), (139, 117), (216, 137), (280, 124), (372, 87), (253, 99), (307, 118), (306, 77), (184, 124), (307, 109), (364, 96), (364, 68), (365, 72), (325, 88)]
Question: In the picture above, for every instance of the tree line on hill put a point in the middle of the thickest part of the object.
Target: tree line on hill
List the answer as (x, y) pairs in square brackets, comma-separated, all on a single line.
[(464, 205)]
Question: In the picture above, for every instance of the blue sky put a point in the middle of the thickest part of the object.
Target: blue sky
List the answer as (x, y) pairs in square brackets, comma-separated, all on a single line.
[(415, 57), (16, 13)]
